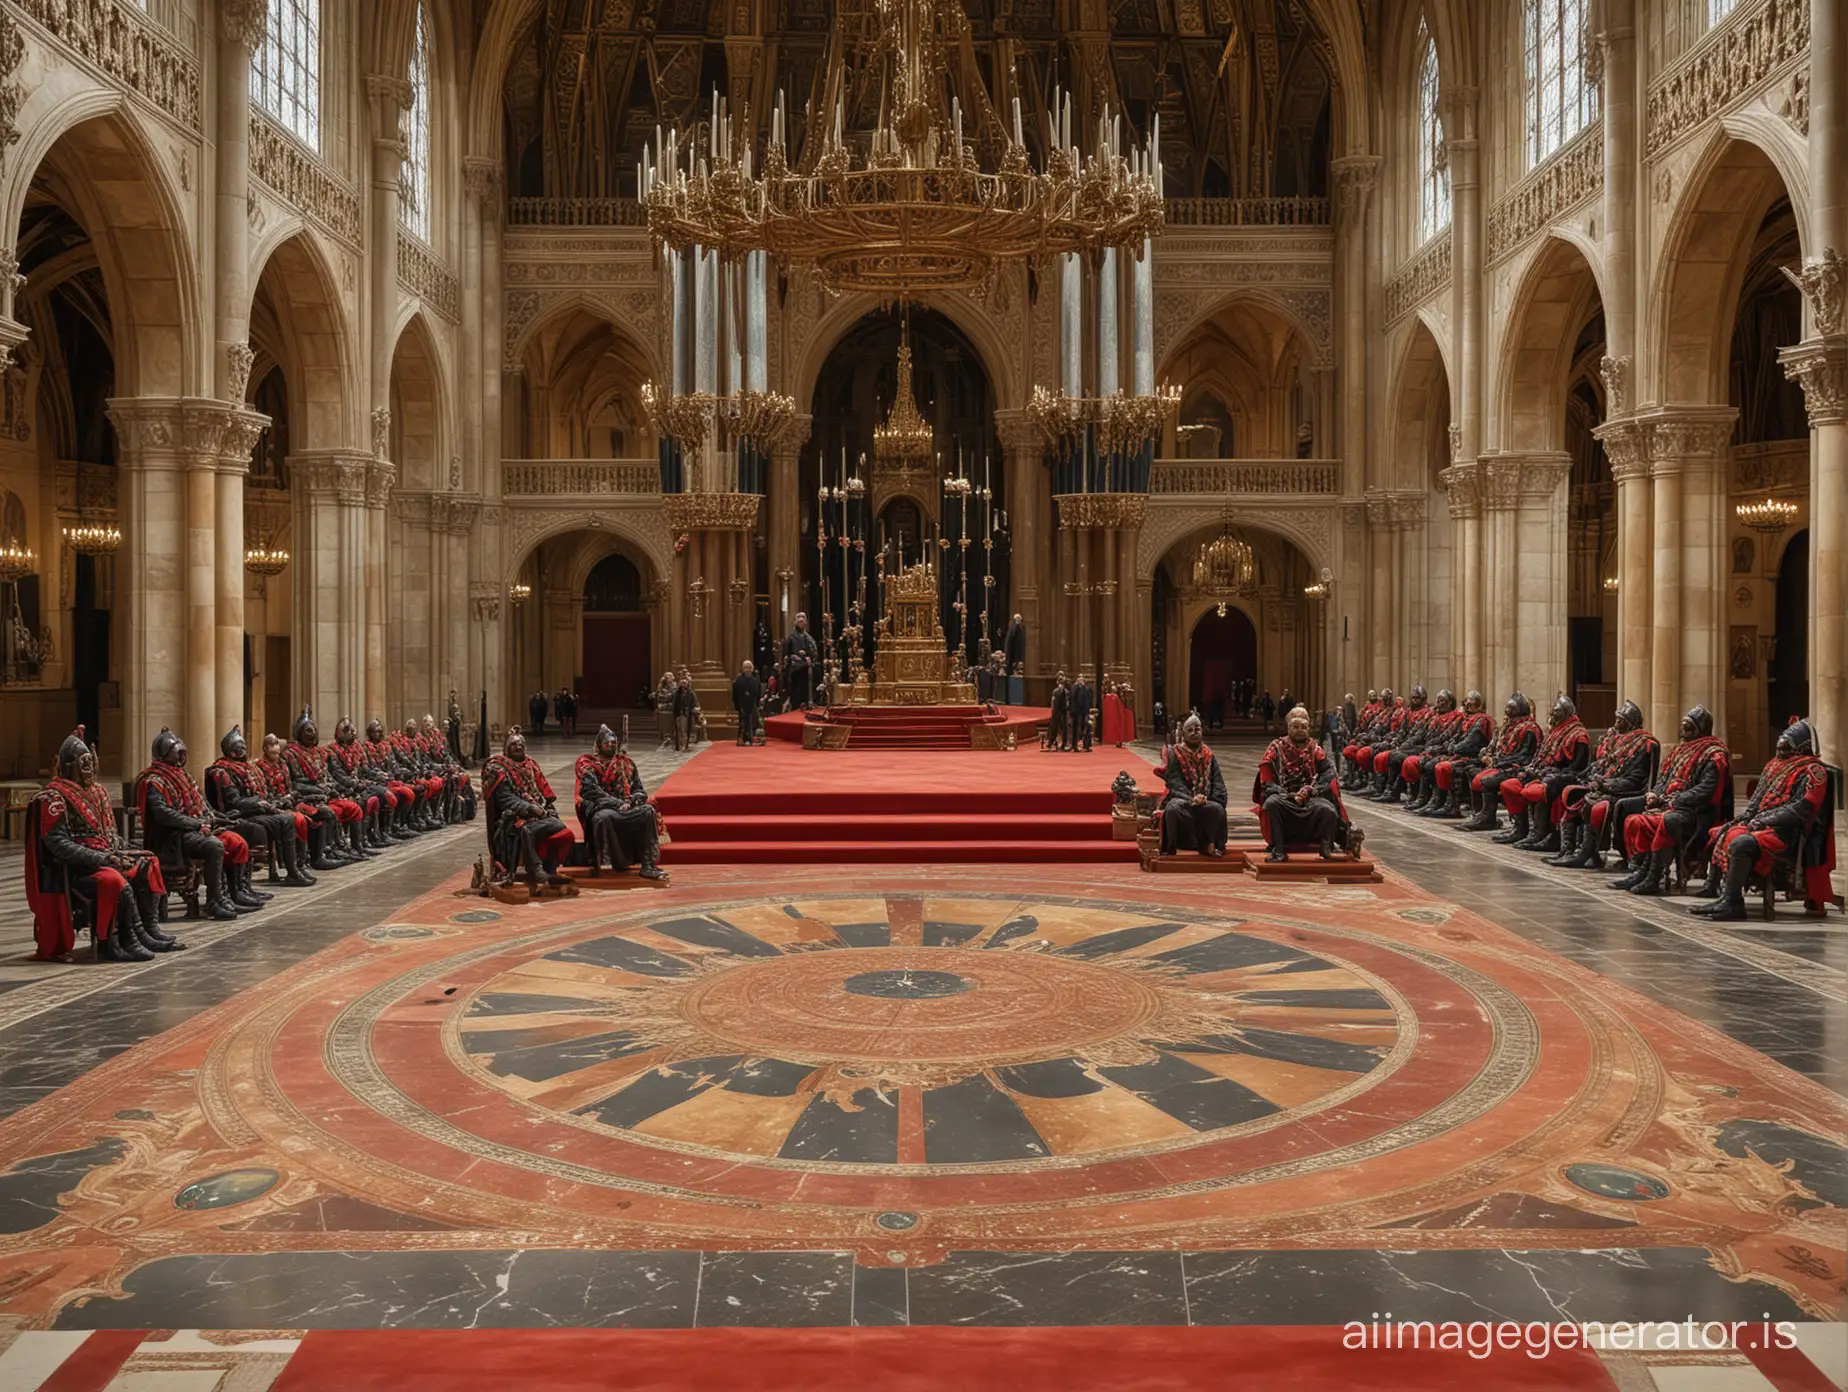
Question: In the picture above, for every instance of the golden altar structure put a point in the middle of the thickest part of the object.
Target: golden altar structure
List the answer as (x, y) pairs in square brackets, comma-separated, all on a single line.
[(912, 666)]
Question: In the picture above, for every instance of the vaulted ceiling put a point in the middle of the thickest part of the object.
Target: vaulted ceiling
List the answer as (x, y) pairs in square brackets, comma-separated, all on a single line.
[(1242, 86)]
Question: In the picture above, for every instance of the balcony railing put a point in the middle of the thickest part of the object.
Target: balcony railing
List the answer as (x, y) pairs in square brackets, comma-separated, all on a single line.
[(1181, 212), (1321, 477), (577, 478)]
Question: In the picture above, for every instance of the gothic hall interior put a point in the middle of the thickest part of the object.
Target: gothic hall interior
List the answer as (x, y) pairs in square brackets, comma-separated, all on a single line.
[(923, 693)]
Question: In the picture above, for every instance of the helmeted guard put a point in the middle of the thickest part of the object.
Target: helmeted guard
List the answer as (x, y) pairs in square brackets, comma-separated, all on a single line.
[(620, 824), (1193, 810), (1418, 770), (1691, 793), (235, 790), (1533, 800), (1514, 745), (414, 768), (1619, 771), (1408, 738), (1376, 735), (180, 827), (458, 802), (347, 773), (316, 822), (524, 828), (1449, 770), (375, 754), (1297, 794), (1790, 800), (75, 858), (306, 761), (1360, 725)]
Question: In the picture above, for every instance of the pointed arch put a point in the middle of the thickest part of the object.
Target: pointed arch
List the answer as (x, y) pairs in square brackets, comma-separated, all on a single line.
[(297, 311), (1558, 293)]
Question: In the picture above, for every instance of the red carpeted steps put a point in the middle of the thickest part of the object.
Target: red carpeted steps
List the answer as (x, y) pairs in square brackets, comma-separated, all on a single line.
[(784, 805), (909, 727)]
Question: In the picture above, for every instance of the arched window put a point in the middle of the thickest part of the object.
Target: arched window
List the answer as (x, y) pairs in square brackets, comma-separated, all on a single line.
[(285, 79), (414, 207), (1433, 155), (1560, 102)]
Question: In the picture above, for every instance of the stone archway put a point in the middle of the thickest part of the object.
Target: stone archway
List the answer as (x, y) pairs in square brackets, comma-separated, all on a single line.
[(549, 635), (429, 527)]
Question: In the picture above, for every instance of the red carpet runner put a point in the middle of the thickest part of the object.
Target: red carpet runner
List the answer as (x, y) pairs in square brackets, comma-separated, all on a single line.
[(914, 727), (781, 804)]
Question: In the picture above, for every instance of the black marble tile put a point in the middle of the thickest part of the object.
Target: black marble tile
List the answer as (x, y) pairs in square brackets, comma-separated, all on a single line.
[(1024, 926), (658, 1089), (780, 1290), (1028, 1288), (539, 1062), (1307, 1049), (402, 1290), (866, 1135), (1229, 951), (1333, 1287), (705, 931), (1190, 1093), (973, 1121), (936, 934), (880, 1296), (1818, 1164), (1122, 940), (623, 955), (1052, 1078), (864, 934), (30, 1188)]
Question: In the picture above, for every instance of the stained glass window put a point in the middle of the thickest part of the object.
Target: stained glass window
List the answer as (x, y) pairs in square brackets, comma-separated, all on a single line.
[(414, 206), (285, 79), (1560, 101), (1433, 158)]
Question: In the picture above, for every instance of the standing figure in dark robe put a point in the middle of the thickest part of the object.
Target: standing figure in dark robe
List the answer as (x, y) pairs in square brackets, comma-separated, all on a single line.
[(1691, 793), (799, 658), (307, 764), (1193, 812), (620, 824), (763, 651), (536, 707), (747, 696), (686, 712), (76, 857), (525, 831), (1014, 648), (317, 824), (235, 790), (1791, 799), (1058, 730), (1514, 746), (179, 828), (452, 723), (346, 771), (984, 676), (1533, 800), (1619, 772), (1296, 793), (1083, 703)]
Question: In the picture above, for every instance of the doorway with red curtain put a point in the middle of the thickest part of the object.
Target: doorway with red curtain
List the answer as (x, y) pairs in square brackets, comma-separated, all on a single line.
[(616, 638), (1224, 651)]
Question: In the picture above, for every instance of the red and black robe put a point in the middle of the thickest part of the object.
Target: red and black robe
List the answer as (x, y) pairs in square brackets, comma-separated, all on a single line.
[(70, 839)]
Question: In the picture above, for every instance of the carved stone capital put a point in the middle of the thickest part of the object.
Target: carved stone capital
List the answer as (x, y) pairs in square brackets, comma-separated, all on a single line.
[(242, 22), (1616, 374), (1019, 435), (390, 99), (381, 477), (1626, 446), (481, 176), (1820, 366), (1824, 283), (487, 601), (176, 432), (12, 335), (239, 358), (337, 476), (1355, 176), (1462, 489), (1509, 480)]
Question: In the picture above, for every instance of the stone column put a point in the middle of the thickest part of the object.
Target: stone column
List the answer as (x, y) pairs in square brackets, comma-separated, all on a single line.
[(714, 523), (1820, 363), (783, 522), (1029, 505), (240, 431), (1463, 496), (481, 179), (329, 649), (1381, 611), (1466, 282), (1500, 491), (155, 451), (390, 99), (1626, 446), (1354, 180)]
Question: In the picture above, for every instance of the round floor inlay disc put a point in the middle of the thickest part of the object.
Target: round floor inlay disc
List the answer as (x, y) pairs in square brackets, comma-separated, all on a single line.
[(907, 985), (896, 1221), (1611, 1182), (224, 1190)]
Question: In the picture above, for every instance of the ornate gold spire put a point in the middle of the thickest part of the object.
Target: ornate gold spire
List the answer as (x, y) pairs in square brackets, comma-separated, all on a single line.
[(905, 440)]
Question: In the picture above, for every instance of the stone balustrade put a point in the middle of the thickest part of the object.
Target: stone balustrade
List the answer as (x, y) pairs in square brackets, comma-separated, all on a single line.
[(544, 478), (1218, 476)]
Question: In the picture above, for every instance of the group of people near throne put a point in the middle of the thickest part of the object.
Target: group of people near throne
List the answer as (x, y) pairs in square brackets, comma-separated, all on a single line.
[(305, 807), (1576, 800)]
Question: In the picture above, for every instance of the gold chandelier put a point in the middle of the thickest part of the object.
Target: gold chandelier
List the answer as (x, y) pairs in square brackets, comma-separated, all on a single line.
[(905, 440), (1225, 566), (1768, 515), (914, 207), (93, 538)]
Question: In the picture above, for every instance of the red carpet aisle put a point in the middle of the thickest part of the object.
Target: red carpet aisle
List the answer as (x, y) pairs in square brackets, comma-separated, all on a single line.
[(915, 727), (780, 804)]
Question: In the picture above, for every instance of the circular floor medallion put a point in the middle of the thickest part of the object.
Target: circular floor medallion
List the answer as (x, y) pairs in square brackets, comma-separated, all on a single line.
[(1612, 1182), (224, 1190), (907, 984)]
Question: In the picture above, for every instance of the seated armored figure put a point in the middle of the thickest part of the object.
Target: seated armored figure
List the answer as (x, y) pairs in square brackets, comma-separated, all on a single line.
[(1448, 771), (1379, 738), (1619, 770), (620, 824), (75, 857), (179, 827), (375, 754), (458, 790), (346, 770), (1193, 811), (1790, 799), (524, 828), (414, 767), (306, 761), (234, 789), (1691, 793), (1408, 739), (1359, 727), (1501, 761), (316, 823), (1418, 771), (1533, 799), (1296, 793), (1375, 729)]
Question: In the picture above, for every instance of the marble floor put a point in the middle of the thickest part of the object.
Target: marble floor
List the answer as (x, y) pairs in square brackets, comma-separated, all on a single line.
[(911, 1098)]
